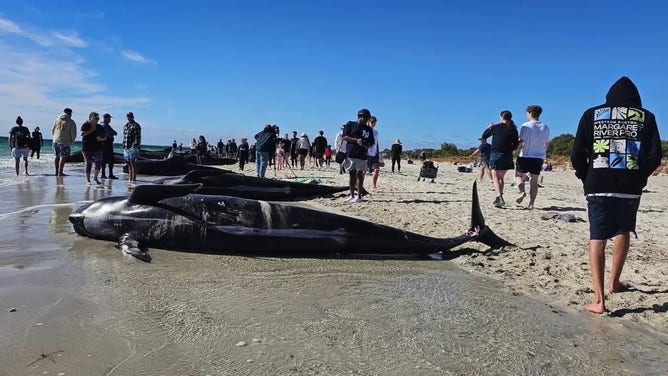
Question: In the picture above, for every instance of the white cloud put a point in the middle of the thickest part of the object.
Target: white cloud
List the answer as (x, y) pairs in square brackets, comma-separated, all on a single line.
[(136, 57), (71, 40), (38, 80)]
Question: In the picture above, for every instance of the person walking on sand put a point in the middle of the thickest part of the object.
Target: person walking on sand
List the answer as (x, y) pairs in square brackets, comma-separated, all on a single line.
[(92, 138), (359, 138), (294, 153), (504, 140), (373, 161), (484, 150), (64, 132), (265, 146), (303, 148), (242, 153), (19, 141), (108, 147), (534, 138), (616, 148), (131, 146), (36, 142), (395, 154), (319, 146)]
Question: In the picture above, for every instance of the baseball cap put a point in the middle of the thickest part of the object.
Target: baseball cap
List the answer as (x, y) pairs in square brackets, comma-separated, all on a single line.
[(130, 114), (364, 112), (67, 110), (106, 116)]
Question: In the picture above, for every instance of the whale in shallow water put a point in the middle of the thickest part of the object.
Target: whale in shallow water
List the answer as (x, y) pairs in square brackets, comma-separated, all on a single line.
[(174, 166), (227, 183), (172, 217)]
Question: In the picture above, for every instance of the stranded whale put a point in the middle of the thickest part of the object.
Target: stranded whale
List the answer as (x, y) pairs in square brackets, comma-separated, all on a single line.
[(227, 183), (172, 217)]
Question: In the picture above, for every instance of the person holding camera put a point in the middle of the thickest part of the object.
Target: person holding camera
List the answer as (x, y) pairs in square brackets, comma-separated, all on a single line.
[(265, 146), (359, 137)]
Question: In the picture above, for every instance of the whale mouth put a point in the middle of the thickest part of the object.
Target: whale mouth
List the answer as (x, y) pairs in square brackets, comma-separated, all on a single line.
[(77, 218)]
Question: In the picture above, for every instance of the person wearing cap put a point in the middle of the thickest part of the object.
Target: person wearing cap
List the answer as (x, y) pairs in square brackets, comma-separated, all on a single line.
[(92, 137), (242, 153), (303, 148), (484, 149), (64, 133), (36, 142), (395, 153), (19, 141), (340, 145), (265, 146), (108, 147), (131, 145), (359, 137)]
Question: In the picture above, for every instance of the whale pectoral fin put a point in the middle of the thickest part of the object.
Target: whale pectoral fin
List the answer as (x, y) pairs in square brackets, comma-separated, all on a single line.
[(130, 247)]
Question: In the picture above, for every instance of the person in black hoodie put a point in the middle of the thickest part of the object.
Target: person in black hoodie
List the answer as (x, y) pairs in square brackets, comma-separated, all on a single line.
[(505, 140), (265, 147), (616, 149)]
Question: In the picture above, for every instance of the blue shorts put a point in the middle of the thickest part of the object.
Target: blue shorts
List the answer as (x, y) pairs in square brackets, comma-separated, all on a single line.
[(61, 150), (501, 161), (131, 155), (20, 153), (611, 216)]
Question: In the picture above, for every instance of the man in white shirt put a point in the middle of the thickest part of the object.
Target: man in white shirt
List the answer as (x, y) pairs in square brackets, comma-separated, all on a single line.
[(534, 138)]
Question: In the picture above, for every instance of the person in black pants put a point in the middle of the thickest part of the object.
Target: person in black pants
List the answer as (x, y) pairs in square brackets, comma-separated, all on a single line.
[(396, 155)]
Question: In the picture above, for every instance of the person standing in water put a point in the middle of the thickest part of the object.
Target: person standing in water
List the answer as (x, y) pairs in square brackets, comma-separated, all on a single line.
[(108, 147), (19, 141), (131, 145), (92, 137), (616, 149), (64, 132), (36, 142)]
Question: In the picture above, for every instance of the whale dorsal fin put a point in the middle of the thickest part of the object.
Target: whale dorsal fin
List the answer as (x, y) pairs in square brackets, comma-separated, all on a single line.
[(151, 194)]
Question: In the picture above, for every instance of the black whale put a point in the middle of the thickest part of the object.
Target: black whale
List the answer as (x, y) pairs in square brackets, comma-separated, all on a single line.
[(171, 217)]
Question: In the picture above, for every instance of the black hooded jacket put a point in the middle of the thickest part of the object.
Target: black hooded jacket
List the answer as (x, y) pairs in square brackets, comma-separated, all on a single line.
[(617, 145)]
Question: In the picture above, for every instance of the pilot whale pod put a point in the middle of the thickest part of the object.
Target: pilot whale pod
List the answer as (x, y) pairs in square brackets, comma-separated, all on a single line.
[(227, 183), (172, 217)]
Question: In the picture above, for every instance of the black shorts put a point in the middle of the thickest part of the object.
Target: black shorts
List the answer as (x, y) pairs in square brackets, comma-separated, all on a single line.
[(611, 216), (530, 165), (303, 152)]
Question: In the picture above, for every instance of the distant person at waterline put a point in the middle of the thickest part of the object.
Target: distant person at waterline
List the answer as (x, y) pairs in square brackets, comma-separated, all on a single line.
[(108, 147), (36, 142), (19, 141), (92, 137), (64, 132)]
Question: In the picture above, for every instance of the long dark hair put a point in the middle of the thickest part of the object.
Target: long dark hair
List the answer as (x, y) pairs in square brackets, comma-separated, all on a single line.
[(508, 117)]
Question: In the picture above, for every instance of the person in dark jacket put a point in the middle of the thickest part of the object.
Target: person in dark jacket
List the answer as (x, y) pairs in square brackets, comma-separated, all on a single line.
[(265, 146), (505, 140), (36, 142), (617, 147), (108, 147), (396, 155)]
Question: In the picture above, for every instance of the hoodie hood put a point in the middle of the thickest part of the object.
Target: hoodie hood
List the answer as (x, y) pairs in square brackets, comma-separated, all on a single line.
[(623, 93)]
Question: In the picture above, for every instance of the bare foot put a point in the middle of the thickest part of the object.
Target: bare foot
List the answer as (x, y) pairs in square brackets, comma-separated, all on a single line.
[(597, 308), (619, 287)]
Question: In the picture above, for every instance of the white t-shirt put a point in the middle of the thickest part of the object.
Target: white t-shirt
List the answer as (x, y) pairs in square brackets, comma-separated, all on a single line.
[(535, 136), (373, 150)]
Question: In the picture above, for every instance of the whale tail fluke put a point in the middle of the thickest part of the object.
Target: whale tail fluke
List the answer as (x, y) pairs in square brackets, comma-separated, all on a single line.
[(485, 234)]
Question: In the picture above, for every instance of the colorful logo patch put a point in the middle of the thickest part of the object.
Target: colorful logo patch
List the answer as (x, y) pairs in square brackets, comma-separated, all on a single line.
[(631, 162), (602, 114), (618, 146), (601, 162), (635, 114), (601, 146), (617, 161), (633, 147), (619, 113)]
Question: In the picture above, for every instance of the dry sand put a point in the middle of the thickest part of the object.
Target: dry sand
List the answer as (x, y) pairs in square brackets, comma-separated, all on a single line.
[(513, 311)]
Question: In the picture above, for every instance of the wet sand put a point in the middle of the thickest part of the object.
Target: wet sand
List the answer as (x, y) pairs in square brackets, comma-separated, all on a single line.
[(197, 314)]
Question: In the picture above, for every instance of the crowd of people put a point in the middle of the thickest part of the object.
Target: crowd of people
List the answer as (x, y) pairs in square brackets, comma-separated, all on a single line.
[(97, 140)]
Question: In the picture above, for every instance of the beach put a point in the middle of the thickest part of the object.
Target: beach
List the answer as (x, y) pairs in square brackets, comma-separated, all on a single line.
[(70, 305)]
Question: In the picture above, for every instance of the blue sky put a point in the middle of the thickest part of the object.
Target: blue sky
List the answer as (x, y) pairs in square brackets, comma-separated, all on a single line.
[(431, 71)]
